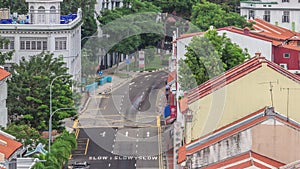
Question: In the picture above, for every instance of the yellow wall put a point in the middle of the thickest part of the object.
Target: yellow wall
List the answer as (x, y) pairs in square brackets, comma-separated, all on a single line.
[(242, 97)]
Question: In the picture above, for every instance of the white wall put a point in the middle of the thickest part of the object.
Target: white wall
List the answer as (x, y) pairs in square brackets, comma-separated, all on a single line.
[(3, 97), (276, 12), (252, 44)]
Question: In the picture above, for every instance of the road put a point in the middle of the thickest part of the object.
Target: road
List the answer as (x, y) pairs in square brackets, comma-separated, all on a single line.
[(119, 130)]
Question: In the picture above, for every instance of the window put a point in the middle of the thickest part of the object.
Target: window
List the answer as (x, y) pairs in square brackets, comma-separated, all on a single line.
[(52, 14), (283, 65), (9, 45), (286, 55), (267, 16), (118, 4), (33, 44), (41, 16), (285, 0), (61, 43), (251, 14), (286, 17)]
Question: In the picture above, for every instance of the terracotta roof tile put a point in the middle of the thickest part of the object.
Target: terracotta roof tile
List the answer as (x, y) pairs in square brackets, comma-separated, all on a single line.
[(234, 74), (9, 145), (3, 74), (171, 76), (189, 35), (235, 127)]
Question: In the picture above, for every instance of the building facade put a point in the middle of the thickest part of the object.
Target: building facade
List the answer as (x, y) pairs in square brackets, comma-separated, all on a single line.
[(44, 29), (263, 139), (3, 96), (285, 13), (108, 4), (245, 88)]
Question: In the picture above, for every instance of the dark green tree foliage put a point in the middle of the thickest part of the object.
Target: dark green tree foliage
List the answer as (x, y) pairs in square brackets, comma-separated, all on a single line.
[(209, 55), (29, 91), (130, 29), (186, 78), (19, 6), (60, 152), (178, 8), (5, 55), (203, 60), (25, 134), (208, 14)]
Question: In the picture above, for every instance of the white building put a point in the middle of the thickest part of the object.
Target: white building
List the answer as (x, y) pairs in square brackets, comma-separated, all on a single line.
[(108, 4), (45, 30), (284, 13), (3, 96)]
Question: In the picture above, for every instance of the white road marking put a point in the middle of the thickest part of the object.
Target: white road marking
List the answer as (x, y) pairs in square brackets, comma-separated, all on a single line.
[(113, 145), (136, 145), (102, 134), (137, 135), (148, 134), (112, 152), (114, 140), (109, 165), (131, 83), (126, 133), (137, 140)]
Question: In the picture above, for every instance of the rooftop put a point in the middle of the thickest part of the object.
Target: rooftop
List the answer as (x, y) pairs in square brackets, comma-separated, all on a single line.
[(8, 145), (3, 74)]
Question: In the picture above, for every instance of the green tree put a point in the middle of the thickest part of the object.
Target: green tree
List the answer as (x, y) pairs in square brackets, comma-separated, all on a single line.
[(209, 55), (19, 6), (28, 91), (202, 59), (208, 14), (4, 56), (231, 54), (178, 8), (25, 134), (186, 78), (127, 27), (60, 152)]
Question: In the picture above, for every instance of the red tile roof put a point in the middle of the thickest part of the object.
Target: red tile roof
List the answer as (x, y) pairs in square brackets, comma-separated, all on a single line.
[(272, 31), (234, 74), (250, 34), (189, 35), (171, 76), (233, 128), (3, 74), (247, 157), (9, 146)]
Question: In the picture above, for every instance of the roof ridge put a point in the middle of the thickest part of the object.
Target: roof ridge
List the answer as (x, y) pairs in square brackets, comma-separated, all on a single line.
[(210, 84)]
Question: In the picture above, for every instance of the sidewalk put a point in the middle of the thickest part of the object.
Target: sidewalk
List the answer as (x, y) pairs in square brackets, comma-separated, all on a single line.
[(103, 89)]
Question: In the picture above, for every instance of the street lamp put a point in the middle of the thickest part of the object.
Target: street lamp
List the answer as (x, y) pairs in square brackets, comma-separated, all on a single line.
[(51, 107), (50, 125)]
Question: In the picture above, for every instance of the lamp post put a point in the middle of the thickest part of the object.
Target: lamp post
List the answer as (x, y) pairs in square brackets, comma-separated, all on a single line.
[(51, 114), (50, 125)]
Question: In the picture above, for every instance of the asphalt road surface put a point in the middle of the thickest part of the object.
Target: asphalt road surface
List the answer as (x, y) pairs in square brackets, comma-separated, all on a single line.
[(119, 130)]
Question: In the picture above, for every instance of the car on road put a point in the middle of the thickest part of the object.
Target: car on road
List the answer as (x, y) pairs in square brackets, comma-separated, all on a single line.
[(81, 165)]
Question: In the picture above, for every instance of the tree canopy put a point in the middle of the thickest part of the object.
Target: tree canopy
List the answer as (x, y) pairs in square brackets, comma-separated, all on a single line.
[(5, 55), (25, 134), (208, 56), (130, 29), (206, 14), (29, 91), (60, 152)]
